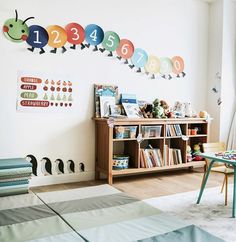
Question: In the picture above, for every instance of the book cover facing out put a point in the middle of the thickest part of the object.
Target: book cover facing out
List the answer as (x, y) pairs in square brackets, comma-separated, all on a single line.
[(103, 90)]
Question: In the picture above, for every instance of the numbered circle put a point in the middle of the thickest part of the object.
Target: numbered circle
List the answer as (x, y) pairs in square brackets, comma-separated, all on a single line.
[(94, 34), (57, 36), (165, 65), (153, 65), (125, 49), (139, 58), (38, 36), (111, 41), (178, 65), (75, 33)]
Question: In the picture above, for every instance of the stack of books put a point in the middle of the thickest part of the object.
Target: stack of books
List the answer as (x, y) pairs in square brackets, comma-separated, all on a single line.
[(172, 156), (173, 130), (151, 158), (14, 176)]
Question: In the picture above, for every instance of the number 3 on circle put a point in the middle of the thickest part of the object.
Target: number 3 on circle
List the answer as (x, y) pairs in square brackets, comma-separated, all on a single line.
[(75, 33)]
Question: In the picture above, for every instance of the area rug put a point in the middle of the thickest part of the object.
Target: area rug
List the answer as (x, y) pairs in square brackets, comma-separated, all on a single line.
[(210, 214)]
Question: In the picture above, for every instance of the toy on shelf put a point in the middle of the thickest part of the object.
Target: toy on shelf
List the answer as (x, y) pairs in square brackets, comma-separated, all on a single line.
[(196, 152), (147, 110), (189, 154), (178, 110), (188, 109), (159, 108), (203, 114)]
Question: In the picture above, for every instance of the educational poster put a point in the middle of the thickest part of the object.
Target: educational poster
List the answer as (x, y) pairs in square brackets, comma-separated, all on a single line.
[(38, 92)]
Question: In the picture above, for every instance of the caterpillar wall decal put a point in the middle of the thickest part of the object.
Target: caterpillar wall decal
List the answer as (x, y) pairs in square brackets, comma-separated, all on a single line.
[(55, 36)]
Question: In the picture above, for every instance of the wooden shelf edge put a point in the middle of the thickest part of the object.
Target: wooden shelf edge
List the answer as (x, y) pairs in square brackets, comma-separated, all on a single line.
[(126, 139), (153, 169), (197, 135)]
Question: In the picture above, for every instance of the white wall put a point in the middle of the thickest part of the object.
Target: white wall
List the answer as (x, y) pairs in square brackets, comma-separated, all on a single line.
[(215, 65), (228, 69), (222, 40), (161, 27)]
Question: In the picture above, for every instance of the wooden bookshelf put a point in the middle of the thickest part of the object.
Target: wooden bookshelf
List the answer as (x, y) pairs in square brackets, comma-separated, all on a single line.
[(107, 145)]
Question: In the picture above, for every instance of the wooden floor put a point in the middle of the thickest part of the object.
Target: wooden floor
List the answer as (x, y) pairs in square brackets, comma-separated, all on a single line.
[(150, 185)]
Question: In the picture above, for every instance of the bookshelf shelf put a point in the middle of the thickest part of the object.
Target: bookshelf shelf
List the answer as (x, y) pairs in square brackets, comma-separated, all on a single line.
[(126, 139), (167, 151), (197, 135), (174, 137), (153, 169), (152, 138)]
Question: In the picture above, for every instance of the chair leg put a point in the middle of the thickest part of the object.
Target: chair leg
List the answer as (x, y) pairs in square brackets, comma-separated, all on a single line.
[(222, 188), (204, 175), (226, 190)]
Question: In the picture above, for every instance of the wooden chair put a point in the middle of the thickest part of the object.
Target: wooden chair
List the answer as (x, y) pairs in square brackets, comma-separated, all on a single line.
[(218, 167)]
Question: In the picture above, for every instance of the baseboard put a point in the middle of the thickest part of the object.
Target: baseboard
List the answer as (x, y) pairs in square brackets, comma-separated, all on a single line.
[(62, 178)]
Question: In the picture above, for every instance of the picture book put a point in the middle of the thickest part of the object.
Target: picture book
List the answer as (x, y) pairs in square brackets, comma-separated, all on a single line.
[(105, 103), (128, 98), (103, 90), (132, 110)]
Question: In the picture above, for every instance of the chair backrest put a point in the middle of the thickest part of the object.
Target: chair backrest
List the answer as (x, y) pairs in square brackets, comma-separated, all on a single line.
[(213, 147)]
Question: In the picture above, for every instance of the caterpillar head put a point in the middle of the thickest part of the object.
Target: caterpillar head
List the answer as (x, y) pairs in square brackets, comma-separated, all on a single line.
[(16, 29)]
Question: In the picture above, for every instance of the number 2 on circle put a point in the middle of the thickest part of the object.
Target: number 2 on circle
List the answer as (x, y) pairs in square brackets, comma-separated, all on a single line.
[(57, 35)]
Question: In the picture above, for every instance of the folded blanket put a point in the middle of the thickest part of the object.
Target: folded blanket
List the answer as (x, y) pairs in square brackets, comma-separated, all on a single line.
[(14, 163), (13, 190), (16, 172), (13, 183), (13, 178)]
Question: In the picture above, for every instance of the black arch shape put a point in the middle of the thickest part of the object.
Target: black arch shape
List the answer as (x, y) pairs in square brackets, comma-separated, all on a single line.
[(34, 163), (48, 165)]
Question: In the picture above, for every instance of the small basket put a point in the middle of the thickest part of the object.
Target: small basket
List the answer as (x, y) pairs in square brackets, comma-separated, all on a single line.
[(120, 162)]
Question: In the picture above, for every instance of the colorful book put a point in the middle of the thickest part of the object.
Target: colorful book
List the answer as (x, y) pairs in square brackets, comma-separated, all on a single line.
[(103, 90), (132, 110)]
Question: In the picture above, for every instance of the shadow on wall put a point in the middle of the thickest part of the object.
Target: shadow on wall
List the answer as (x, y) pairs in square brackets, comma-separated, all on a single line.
[(45, 166)]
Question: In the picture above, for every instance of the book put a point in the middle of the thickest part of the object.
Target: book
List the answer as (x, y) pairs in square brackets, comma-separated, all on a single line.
[(178, 130), (132, 110), (105, 103), (142, 165), (103, 90), (128, 98)]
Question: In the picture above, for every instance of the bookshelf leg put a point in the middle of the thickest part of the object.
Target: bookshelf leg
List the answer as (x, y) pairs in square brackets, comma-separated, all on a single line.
[(97, 175), (109, 179)]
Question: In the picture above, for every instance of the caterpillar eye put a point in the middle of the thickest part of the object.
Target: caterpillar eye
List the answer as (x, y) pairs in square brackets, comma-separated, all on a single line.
[(23, 31), (11, 25)]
